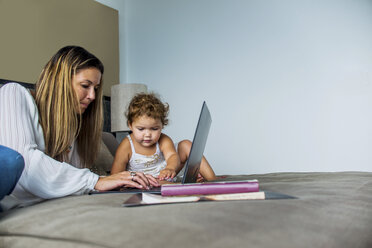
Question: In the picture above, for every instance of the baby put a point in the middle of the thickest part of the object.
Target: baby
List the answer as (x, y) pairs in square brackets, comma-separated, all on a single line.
[(147, 149)]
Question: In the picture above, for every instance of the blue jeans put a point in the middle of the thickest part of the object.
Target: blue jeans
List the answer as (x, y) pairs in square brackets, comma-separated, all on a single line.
[(11, 167)]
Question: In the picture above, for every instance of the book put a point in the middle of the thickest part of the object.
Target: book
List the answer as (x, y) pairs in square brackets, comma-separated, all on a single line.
[(225, 187), (144, 199)]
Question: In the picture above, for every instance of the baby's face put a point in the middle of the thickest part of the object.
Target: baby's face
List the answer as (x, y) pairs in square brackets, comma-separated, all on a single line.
[(146, 130)]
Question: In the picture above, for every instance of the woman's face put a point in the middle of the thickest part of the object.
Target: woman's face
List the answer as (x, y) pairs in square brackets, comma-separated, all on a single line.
[(85, 83)]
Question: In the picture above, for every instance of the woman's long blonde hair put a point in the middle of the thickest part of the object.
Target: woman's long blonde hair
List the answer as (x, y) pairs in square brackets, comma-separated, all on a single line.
[(57, 101)]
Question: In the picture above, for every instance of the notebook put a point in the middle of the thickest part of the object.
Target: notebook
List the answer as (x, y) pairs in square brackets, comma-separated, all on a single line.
[(192, 165)]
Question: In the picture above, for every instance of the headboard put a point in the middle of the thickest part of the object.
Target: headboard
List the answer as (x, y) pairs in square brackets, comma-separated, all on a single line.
[(106, 103)]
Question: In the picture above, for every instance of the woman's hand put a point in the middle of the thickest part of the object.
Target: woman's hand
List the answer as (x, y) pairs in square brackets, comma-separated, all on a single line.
[(126, 179)]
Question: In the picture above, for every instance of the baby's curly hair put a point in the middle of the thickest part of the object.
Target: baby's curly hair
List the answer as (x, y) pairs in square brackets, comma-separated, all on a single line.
[(147, 104)]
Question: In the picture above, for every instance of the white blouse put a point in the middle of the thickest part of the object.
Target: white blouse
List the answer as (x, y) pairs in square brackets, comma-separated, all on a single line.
[(43, 177)]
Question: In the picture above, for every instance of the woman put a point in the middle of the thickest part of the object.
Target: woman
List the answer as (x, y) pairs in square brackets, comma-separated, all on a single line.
[(58, 130)]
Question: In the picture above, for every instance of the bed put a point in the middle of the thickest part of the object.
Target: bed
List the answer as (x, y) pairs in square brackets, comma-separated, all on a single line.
[(330, 210)]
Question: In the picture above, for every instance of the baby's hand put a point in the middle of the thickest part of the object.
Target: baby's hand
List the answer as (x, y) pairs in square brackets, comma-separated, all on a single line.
[(167, 174)]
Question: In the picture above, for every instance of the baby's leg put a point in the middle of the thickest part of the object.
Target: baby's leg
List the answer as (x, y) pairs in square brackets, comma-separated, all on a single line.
[(206, 170)]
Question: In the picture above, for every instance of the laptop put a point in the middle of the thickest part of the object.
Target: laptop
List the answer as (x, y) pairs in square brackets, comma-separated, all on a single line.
[(192, 165)]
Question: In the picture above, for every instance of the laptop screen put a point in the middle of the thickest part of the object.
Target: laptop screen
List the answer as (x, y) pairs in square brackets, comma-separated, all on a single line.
[(192, 165)]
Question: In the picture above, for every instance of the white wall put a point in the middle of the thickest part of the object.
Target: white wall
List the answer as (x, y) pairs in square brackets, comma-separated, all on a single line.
[(288, 83)]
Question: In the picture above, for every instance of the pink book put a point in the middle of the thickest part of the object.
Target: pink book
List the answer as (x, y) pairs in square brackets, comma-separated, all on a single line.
[(227, 187)]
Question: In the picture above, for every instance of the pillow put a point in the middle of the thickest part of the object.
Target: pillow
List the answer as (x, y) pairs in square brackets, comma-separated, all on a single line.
[(103, 163)]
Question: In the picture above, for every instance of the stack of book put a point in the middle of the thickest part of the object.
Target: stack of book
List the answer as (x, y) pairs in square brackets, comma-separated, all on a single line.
[(193, 192)]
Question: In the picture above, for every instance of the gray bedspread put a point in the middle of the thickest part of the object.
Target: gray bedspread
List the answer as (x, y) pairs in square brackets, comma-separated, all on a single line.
[(331, 210)]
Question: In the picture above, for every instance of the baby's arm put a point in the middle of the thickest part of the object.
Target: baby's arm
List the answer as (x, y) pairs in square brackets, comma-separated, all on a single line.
[(122, 157), (171, 156)]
